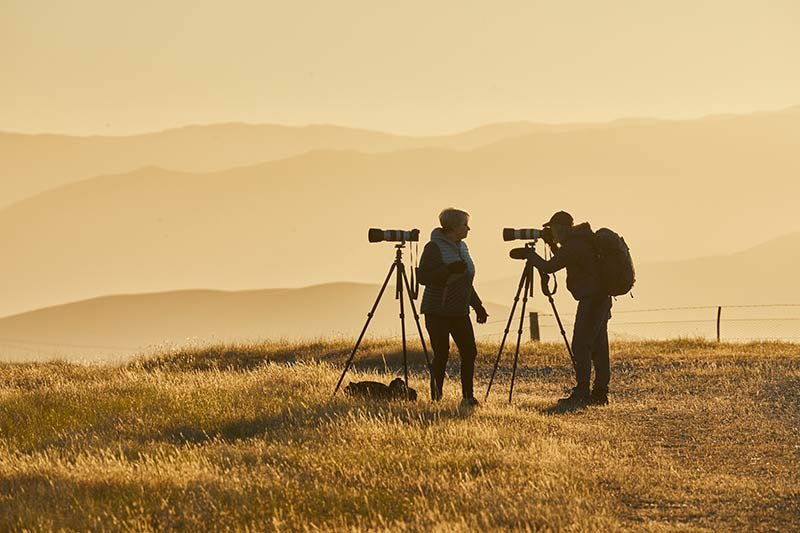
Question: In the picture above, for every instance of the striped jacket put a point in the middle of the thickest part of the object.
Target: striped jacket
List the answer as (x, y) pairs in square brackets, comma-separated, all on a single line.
[(446, 294)]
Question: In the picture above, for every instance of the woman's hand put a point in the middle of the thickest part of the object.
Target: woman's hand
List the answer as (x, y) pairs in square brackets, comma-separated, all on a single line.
[(482, 315)]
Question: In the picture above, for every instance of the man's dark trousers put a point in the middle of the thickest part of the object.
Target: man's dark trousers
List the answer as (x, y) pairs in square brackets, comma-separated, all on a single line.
[(590, 342), (440, 328)]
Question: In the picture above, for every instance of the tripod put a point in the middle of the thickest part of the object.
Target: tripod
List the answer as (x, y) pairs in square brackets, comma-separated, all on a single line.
[(401, 281), (526, 282)]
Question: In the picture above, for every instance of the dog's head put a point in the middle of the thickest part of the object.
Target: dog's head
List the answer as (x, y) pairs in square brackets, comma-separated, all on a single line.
[(397, 385), (398, 389)]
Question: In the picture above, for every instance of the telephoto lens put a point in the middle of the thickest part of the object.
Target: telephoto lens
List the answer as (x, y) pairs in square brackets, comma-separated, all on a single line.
[(392, 235), (525, 234)]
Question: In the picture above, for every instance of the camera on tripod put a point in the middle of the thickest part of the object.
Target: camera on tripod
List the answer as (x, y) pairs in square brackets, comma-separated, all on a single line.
[(528, 234), (393, 235), (403, 288), (525, 287)]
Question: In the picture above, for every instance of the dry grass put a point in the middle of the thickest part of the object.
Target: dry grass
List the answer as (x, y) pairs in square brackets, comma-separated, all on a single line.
[(698, 436)]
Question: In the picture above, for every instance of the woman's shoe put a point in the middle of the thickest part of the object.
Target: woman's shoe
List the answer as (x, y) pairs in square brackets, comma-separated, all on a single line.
[(469, 403)]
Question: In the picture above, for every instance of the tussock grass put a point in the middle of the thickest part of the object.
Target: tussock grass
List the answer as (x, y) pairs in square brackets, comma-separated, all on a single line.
[(698, 436)]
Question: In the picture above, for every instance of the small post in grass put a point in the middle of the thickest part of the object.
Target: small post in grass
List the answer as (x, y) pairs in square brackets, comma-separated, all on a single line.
[(534, 320), (719, 314)]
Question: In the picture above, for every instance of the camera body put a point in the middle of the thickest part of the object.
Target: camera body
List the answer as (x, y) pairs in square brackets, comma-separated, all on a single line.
[(392, 235)]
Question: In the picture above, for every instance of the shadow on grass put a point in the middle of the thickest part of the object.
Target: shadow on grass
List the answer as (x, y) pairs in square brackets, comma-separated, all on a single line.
[(295, 421), (564, 408), (370, 356)]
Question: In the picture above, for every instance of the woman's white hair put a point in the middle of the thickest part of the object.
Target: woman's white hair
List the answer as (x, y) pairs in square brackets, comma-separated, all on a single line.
[(451, 218)]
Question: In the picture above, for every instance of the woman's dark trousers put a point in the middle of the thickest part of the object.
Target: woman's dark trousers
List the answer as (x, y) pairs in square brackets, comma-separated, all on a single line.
[(440, 328), (590, 342)]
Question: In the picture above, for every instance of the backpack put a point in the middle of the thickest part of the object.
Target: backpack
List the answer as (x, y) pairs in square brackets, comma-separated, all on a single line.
[(616, 265)]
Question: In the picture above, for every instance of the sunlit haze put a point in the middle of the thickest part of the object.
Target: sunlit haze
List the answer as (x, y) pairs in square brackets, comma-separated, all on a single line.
[(249, 146), (97, 67)]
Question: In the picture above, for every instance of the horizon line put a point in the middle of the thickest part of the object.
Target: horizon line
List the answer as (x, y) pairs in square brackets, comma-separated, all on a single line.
[(200, 125)]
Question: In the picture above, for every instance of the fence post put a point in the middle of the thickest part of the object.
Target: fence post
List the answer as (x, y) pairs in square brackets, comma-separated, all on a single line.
[(534, 320), (719, 314)]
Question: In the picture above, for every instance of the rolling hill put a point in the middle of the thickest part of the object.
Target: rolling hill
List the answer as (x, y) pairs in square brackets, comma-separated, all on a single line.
[(123, 325), (762, 274), (755, 288)]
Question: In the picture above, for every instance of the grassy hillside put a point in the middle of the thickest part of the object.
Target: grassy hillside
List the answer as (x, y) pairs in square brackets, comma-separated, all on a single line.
[(697, 435)]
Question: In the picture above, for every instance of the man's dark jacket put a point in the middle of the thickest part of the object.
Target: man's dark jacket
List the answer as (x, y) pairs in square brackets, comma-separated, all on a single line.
[(579, 256)]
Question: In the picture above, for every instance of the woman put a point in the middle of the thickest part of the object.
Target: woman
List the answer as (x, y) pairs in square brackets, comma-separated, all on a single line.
[(447, 271)]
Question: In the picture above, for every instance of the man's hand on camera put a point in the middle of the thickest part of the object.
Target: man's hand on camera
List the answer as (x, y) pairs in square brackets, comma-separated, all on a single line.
[(459, 267), (482, 315), (547, 236), (519, 253)]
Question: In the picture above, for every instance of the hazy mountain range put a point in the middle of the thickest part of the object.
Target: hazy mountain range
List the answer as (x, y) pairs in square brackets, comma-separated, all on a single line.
[(674, 189), (292, 215), (35, 163), (122, 325)]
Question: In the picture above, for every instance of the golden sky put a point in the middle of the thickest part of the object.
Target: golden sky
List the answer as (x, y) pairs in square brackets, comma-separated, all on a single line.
[(416, 67)]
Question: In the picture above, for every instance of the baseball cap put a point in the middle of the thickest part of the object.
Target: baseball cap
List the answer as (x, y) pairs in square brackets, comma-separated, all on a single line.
[(561, 217)]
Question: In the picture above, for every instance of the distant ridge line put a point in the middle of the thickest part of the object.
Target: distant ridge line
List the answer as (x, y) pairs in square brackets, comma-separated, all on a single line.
[(388, 132)]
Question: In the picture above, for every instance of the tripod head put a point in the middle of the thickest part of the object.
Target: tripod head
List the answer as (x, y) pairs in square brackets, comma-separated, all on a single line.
[(544, 277), (398, 256), (413, 247), (523, 252), (413, 291)]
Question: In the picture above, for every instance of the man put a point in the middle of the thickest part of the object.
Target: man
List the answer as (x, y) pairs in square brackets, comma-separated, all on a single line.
[(447, 271), (574, 249)]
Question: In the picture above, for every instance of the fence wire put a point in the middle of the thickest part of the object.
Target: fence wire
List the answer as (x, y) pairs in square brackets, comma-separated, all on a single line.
[(747, 322)]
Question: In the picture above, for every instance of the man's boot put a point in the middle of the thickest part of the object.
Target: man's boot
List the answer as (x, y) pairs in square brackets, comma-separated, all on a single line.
[(599, 396)]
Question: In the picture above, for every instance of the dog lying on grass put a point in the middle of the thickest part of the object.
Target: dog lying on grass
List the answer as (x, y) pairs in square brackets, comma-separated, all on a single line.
[(374, 390)]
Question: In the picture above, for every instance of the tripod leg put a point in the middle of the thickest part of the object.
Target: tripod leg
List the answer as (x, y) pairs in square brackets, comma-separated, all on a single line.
[(400, 277), (364, 330), (528, 281), (419, 327), (522, 279), (561, 327)]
